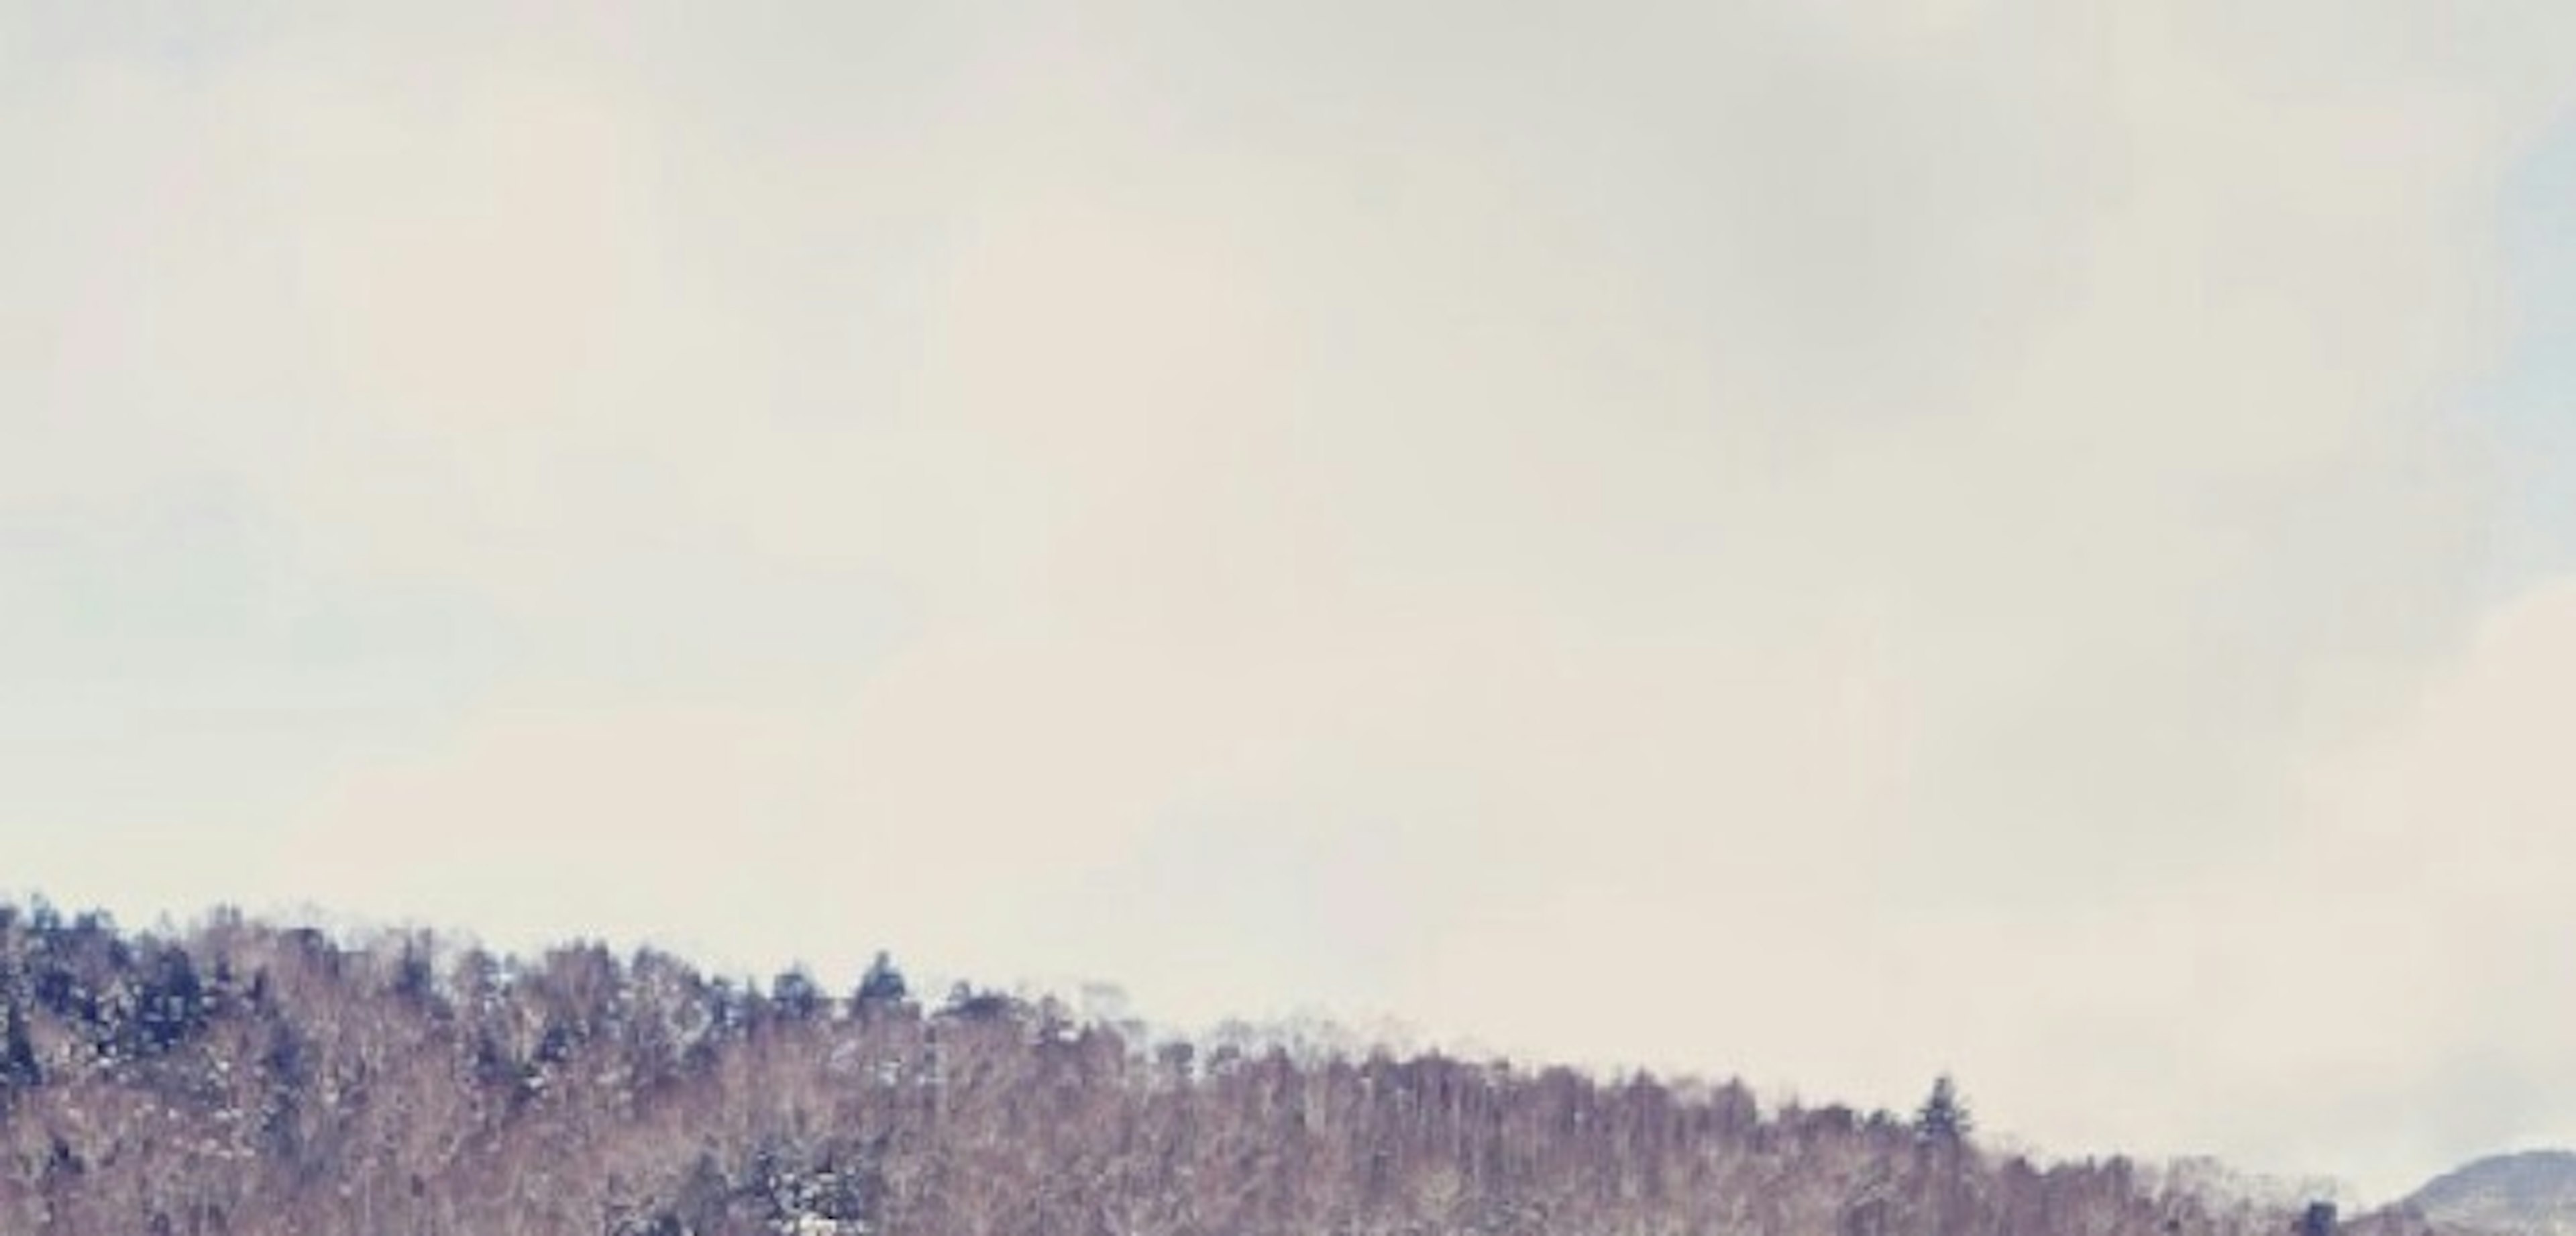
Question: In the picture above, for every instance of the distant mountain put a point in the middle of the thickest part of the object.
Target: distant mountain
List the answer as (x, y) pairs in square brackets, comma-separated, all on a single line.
[(2528, 1194)]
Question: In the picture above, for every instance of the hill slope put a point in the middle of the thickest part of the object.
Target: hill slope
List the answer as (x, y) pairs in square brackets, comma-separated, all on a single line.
[(246, 1078), (2532, 1193)]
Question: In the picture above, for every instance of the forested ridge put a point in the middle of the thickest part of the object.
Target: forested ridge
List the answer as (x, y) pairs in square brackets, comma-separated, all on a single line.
[(241, 1077)]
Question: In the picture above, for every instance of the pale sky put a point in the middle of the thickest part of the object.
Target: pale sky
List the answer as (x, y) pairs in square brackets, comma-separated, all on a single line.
[(1819, 541)]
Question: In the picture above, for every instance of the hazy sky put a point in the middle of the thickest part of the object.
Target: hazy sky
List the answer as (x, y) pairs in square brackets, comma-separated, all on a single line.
[(1821, 541)]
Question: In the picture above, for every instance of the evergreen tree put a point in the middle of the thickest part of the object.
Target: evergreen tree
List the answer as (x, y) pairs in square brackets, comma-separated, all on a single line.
[(796, 996), (882, 984), (18, 1069), (2318, 1219), (1944, 1115)]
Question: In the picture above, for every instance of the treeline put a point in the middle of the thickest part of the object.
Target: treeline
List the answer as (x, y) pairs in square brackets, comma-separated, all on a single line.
[(242, 1078)]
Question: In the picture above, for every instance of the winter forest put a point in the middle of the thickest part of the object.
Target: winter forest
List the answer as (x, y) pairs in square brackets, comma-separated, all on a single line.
[(242, 1077)]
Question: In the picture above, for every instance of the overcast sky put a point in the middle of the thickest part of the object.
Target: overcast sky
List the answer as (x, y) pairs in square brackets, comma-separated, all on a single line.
[(1819, 541)]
